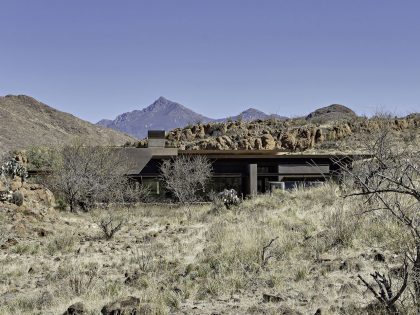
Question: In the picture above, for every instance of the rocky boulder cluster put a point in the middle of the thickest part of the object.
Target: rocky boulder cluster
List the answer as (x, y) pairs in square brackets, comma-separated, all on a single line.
[(290, 135), (16, 191)]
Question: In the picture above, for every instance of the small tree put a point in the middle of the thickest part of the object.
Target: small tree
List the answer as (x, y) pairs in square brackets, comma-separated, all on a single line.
[(85, 175), (185, 176), (389, 181)]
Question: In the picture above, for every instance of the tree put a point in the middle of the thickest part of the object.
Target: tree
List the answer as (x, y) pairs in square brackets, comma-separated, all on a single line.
[(185, 176), (85, 175), (389, 181)]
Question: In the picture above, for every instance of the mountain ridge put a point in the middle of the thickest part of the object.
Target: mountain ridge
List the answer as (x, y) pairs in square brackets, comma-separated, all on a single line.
[(27, 122), (166, 114)]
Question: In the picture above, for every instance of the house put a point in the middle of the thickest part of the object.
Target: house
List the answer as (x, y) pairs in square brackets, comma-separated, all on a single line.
[(247, 171)]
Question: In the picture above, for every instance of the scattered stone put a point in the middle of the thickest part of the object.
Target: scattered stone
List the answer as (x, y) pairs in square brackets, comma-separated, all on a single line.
[(272, 298), (285, 310), (127, 306), (379, 257), (131, 279), (76, 309)]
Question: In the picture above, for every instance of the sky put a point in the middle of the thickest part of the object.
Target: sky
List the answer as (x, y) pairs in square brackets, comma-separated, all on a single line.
[(99, 58)]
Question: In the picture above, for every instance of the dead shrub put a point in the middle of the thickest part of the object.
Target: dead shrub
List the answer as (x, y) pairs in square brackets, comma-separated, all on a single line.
[(110, 221)]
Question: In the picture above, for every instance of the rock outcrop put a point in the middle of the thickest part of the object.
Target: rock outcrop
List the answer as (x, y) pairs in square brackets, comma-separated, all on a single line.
[(290, 136)]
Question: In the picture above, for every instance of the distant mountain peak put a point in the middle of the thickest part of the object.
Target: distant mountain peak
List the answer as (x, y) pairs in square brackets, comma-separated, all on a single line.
[(166, 114), (252, 110), (161, 114), (254, 114), (332, 112), (163, 103)]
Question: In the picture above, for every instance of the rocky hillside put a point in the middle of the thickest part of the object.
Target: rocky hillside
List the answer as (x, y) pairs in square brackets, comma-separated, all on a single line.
[(167, 115), (293, 135), (26, 122)]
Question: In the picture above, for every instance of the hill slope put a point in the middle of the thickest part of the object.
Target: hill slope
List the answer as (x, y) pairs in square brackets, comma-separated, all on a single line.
[(26, 122), (167, 115)]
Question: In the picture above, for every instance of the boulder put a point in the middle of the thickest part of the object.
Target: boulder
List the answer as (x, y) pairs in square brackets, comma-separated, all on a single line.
[(123, 306), (268, 142), (16, 183), (38, 194), (244, 144), (3, 186), (188, 135), (258, 144), (76, 309)]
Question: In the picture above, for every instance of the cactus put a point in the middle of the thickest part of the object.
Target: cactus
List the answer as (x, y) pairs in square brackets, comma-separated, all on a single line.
[(12, 168)]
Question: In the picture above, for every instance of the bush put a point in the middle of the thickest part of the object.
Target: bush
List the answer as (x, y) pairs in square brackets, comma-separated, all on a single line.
[(229, 197), (42, 158), (110, 222), (17, 198)]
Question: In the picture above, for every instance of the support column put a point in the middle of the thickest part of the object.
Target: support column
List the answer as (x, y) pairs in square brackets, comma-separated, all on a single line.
[(280, 177), (253, 186)]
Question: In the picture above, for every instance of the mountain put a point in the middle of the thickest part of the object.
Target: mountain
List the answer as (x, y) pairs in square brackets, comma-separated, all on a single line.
[(162, 114), (26, 122), (331, 112), (167, 115), (253, 114)]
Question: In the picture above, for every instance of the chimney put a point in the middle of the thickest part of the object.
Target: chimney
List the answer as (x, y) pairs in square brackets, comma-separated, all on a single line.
[(156, 138)]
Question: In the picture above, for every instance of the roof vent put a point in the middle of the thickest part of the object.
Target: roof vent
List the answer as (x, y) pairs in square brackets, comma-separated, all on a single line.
[(156, 138)]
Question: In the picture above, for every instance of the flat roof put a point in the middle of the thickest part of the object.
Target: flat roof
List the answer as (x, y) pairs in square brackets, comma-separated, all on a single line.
[(267, 154)]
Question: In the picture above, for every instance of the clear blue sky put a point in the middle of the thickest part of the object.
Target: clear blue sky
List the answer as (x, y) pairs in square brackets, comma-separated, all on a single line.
[(99, 58)]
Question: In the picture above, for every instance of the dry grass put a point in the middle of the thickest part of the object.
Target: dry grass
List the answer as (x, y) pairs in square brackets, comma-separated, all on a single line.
[(198, 261)]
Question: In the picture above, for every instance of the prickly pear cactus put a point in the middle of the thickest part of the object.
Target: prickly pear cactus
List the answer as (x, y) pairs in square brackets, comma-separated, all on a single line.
[(13, 168)]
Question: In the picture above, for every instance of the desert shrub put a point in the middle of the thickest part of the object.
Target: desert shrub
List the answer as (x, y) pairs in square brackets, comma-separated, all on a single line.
[(136, 193), (17, 198), (42, 158), (62, 242), (82, 279), (27, 248), (342, 226), (229, 197), (387, 182), (110, 222), (60, 204)]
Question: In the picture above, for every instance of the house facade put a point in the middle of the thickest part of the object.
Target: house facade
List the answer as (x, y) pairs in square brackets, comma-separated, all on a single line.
[(247, 171)]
